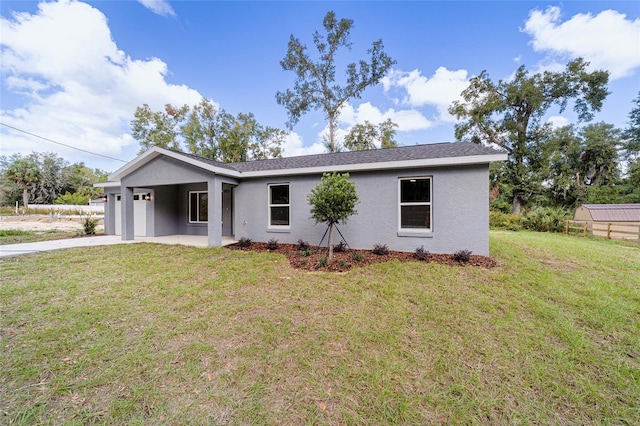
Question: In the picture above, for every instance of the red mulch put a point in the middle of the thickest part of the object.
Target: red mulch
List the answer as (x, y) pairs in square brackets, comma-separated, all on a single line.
[(349, 258)]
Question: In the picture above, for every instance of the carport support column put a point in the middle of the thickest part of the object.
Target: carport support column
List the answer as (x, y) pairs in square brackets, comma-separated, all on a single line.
[(214, 231), (110, 214), (127, 214)]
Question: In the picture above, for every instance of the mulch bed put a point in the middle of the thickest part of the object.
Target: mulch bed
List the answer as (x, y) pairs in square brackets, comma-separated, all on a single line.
[(316, 260)]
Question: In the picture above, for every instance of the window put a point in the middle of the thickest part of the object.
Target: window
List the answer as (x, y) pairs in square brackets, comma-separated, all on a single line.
[(415, 204), (198, 206), (279, 205)]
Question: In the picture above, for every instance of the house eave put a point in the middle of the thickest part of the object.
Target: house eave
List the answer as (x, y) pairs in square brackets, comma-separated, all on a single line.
[(109, 184), (154, 152), (389, 165)]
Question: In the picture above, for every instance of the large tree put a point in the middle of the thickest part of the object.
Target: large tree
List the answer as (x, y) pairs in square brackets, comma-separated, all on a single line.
[(25, 173), (510, 114), (158, 128), (316, 87), (369, 136), (332, 201), (207, 131), (52, 179), (581, 162), (632, 133)]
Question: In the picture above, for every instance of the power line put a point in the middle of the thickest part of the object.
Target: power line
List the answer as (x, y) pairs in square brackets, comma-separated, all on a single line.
[(60, 143)]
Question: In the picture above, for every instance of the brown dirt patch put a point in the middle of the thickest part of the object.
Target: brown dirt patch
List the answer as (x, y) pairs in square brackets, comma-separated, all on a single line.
[(347, 259), (43, 223)]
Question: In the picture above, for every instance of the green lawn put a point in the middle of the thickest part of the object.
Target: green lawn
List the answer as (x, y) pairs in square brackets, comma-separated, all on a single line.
[(15, 236), (154, 334)]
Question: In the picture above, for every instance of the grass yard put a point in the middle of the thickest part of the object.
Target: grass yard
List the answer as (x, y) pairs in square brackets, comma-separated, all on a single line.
[(16, 236), (153, 334)]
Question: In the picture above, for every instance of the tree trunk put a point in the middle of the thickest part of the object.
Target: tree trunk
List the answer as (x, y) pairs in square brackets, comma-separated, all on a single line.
[(332, 143), (25, 196), (517, 203), (330, 241)]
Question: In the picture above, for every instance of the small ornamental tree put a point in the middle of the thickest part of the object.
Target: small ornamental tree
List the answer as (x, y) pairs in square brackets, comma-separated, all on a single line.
[(333, 200)]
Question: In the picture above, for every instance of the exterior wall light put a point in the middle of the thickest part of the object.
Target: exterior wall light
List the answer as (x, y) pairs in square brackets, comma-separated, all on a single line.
[(105, 198), (147, 196)]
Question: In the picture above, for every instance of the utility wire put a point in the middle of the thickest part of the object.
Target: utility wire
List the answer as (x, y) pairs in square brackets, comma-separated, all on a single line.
[(60, 143)]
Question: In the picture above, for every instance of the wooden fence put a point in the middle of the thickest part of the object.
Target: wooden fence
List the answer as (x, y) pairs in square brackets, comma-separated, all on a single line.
[(609, 230)]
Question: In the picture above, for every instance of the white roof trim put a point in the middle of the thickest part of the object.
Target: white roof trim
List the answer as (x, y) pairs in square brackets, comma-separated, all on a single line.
[(154, 152), (108, 184)]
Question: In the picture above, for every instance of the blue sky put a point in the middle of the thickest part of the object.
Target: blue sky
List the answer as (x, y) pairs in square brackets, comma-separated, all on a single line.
[(74, 72)]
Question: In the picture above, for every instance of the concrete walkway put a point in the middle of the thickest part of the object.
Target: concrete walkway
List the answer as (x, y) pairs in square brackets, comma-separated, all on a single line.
[(9, 250)]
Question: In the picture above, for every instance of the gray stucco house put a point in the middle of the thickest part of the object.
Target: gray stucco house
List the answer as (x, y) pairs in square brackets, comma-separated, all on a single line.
[(435, 195)]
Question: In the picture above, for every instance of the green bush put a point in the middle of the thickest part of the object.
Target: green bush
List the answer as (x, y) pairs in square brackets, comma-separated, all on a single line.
[(77, 199), (89, 226), (501, 220), (545, 219)]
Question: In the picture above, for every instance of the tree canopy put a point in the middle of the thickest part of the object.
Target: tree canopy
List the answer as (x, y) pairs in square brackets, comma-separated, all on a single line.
[(332, 201), (24, 173), (580, 161), (53, 177), (370, 136), (315, 86), (207, 131), (510, 114)]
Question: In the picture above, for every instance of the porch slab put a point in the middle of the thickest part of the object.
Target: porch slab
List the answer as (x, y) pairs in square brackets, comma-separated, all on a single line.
[(185, 240)]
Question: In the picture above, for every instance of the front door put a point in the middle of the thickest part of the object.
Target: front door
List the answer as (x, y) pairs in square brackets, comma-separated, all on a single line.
[(227, 210)]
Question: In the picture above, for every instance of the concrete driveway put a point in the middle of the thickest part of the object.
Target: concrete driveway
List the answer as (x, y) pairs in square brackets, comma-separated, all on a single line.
[(9, 250)]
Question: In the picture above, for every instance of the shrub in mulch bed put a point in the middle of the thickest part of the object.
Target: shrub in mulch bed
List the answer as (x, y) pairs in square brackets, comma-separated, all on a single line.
[(311, 260)]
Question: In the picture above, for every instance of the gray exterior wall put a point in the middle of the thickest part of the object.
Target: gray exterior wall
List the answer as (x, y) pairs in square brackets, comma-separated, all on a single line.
[(184, 227), (169, 182), (460, 209)]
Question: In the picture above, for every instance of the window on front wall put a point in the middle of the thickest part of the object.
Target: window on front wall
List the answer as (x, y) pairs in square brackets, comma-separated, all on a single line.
[(279, 207), (198, 206), (415, 203)]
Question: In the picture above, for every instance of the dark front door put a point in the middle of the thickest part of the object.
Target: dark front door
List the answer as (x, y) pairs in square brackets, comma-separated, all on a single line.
[(227, 210)]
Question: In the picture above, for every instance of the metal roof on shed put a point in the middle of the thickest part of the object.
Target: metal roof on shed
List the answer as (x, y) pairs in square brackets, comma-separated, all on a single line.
[(614, 212)]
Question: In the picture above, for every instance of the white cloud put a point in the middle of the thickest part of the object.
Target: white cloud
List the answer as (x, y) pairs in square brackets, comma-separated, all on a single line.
[(80, 89), (608, 40), (558, 121), (407, 120), (293, 146), (417, 90), (159, 7)]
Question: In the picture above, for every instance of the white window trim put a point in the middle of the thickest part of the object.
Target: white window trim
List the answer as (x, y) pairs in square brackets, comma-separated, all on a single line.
[(415, 232), (197, 207), (277, 228)]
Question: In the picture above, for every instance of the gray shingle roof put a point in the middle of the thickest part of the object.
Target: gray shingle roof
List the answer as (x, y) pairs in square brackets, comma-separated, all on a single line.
[(403, 153)]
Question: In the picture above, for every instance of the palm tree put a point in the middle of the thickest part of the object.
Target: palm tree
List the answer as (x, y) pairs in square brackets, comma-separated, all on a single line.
[(24, 173)]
